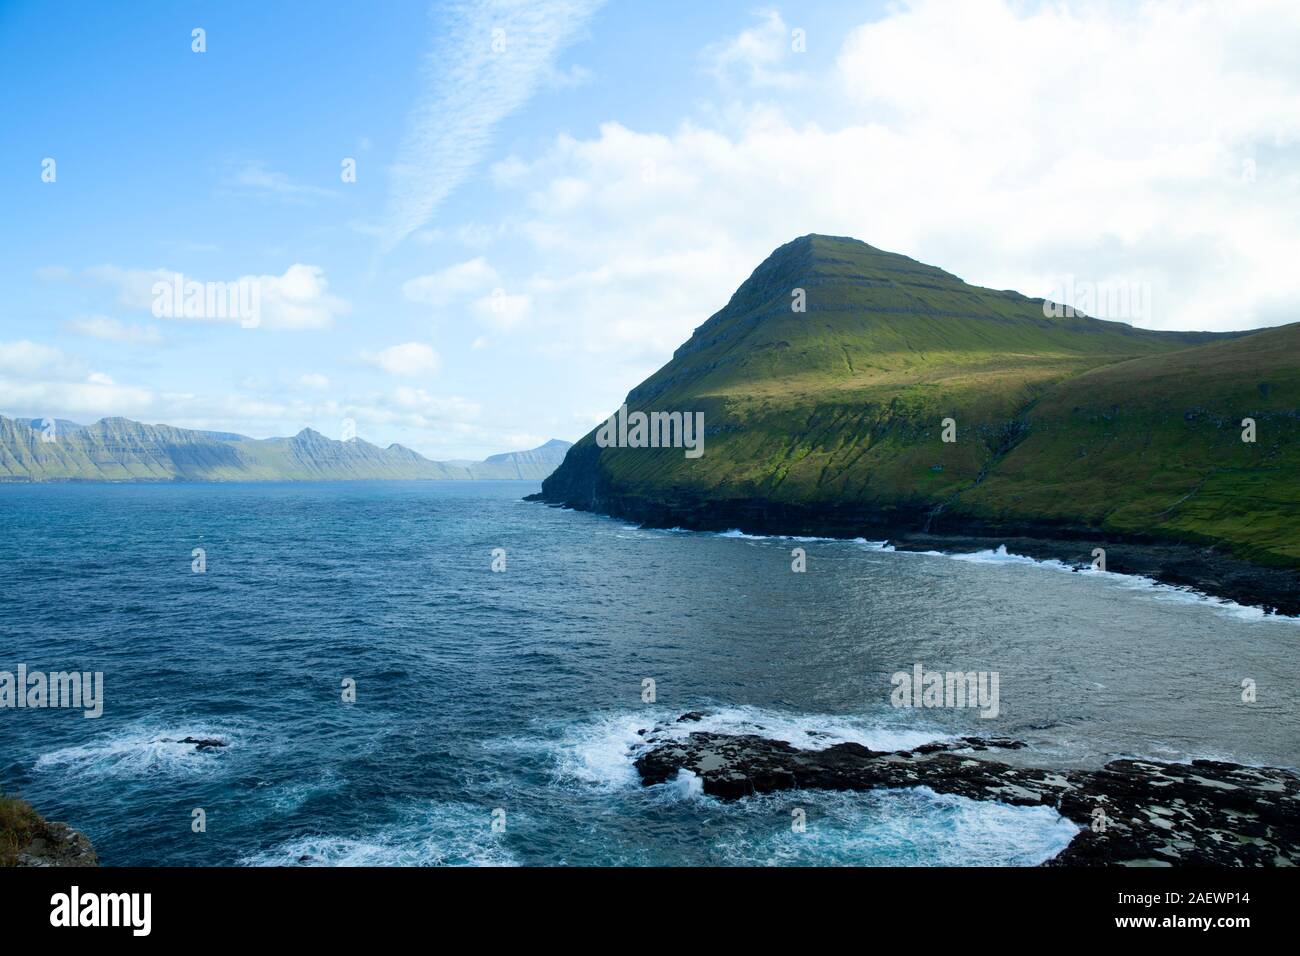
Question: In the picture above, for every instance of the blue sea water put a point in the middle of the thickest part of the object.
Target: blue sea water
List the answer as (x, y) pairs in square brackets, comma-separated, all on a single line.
[(518, 696)]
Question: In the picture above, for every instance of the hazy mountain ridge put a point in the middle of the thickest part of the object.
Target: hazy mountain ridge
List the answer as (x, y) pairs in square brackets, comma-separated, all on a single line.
[(118, 449), (829, 421)]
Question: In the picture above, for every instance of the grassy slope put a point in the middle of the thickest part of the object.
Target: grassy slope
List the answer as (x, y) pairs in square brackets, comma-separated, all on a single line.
[(843, 404), (19, 825), (1154, 445)]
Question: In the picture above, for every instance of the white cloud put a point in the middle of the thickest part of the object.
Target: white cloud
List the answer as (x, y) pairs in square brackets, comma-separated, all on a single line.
[(253, 179), (1009, 145), (446, 285), (298, 300), (27, 359), (757, 56), (490, 58), (40, 380), (95, 399), (111, 330), (408, 360)]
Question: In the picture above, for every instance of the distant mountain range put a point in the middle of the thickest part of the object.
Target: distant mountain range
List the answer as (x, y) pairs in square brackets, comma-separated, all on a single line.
[(117, 449), (831, 421)]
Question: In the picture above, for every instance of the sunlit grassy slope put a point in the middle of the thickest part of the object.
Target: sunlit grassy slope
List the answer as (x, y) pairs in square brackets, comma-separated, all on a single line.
[(1069, 422)]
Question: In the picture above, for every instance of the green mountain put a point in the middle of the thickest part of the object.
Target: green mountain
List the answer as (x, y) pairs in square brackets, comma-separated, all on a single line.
[(117, 449), (830, 420)]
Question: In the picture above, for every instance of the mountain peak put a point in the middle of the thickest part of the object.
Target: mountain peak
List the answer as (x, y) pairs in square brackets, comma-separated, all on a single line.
[(826, 274), (817, 256)]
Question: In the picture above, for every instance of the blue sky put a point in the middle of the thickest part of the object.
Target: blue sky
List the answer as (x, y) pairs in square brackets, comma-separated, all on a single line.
[(535, 227)]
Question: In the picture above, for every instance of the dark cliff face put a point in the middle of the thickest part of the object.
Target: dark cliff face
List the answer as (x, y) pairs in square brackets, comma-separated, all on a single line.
[(832, 420), (579, 482)]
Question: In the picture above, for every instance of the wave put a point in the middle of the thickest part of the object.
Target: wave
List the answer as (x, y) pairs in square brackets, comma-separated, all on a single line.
[(427, 834), (601, 752), (1129, 582), (286, 798), (735, 533), (144, 750), (1000, 555), (594, 760), (914, 827)]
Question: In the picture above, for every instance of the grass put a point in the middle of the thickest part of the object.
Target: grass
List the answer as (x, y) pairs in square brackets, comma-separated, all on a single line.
[(19, 825), (1093, 425)]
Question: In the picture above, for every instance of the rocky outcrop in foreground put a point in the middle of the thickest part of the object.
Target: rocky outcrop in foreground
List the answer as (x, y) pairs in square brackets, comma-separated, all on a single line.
[(1133, 812), (27, 839), (59, 846)]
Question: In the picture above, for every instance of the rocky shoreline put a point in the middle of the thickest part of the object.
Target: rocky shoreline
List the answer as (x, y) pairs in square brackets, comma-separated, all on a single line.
[(28, 839), (1201, 568), (1131, 812), (60, 846)]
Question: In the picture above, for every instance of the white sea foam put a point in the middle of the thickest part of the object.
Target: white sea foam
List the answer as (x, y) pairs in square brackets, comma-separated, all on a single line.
[(143, 750), (1148, 587), (1130, 582), (601, 752), (433, 834), (1000, 555), (688, 785), (807, 731), (735, 533), (288, 797), (914, 827)]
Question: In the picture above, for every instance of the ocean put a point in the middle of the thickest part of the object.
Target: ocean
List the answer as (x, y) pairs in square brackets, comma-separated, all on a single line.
[(496, 712)]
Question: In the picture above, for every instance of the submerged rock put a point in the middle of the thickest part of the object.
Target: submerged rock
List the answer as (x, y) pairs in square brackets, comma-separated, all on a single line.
[(1133, 812), (200, 743)]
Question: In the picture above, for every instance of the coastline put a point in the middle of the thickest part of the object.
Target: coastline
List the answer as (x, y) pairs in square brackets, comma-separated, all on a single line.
[(1128, 813), (1202, 568), (28, 839)]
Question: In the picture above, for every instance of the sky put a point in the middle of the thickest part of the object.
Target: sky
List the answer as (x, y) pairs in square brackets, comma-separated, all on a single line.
[(550, 195)]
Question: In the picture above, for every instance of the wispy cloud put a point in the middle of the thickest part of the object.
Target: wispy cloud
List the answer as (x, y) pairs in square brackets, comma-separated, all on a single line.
[(253, 179), (757, 56), (409, 360), (111, 330), (438, 288), (490, 57)]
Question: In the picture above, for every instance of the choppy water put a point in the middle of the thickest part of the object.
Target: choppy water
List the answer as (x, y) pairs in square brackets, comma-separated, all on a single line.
[(522, 690)]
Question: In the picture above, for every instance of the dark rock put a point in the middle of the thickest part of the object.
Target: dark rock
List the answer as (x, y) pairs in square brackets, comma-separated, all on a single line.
[(202, 743), (1135, 812), (59, 845)]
